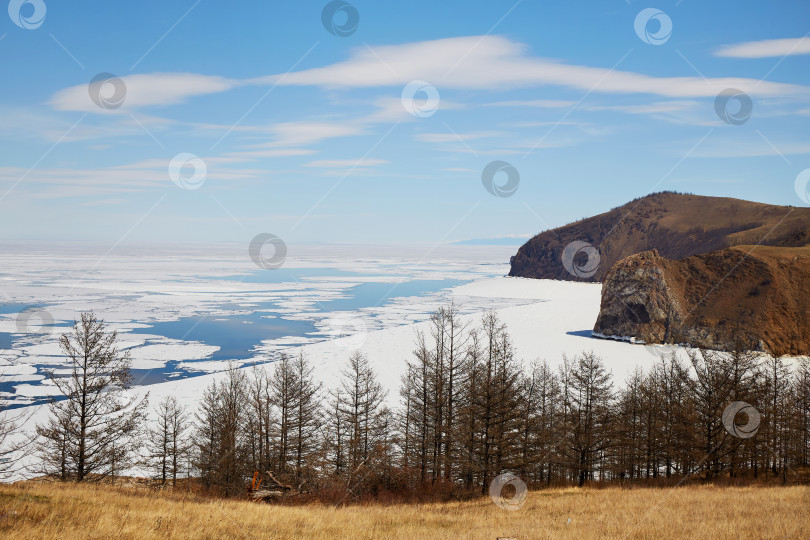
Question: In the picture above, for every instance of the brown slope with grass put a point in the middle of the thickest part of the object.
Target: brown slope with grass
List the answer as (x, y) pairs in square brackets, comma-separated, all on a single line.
[(676, 225), (70, 511), (754, 296)]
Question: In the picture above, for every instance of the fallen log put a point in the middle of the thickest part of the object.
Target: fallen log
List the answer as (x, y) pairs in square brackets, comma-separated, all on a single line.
[(265, 495), (274, 490)]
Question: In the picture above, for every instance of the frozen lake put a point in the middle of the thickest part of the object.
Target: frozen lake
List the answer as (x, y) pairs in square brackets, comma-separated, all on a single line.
[(186, 316), (184, 312)]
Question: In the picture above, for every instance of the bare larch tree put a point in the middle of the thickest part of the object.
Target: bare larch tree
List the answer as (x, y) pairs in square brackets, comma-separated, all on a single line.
[(93, 421)]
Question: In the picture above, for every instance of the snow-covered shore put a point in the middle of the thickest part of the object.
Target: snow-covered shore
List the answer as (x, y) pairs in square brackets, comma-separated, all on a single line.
[(555, 319), (546, 320)]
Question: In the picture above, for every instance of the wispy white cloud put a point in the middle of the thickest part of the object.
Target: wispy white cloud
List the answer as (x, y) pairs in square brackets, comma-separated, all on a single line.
[(658, 107), (348, 163), (252, 155), (57, 182), (539, 103), (494, 62), (767, 48), (143, 90), (682, 112), (456, 137), (547, 123), (470, 63), (305, 133), (752, 148), (492, 152)]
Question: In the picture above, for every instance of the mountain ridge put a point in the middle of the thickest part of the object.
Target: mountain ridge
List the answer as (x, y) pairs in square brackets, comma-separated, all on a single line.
[(676, 225)]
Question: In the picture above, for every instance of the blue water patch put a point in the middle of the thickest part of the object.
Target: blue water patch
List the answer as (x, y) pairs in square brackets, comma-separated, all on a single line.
[(234, 335), (171, 371), (9, 387), (5, 309), (238, 335), (292, 275), (368, 295)]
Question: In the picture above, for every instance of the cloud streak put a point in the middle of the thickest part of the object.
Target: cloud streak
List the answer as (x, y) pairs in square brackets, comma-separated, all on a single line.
[(463, 63), (145, 90), (497, 63), (767, 48)]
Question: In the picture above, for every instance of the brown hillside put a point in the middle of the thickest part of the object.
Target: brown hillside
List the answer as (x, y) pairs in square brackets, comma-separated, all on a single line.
[(676, 225), (747, 295)]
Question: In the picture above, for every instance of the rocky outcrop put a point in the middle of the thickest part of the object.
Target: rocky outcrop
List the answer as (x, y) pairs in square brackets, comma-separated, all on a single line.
[(677, 225), (754, 297)]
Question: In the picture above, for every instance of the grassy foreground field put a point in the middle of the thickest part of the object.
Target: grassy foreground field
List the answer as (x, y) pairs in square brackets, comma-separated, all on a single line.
[(66, 511)]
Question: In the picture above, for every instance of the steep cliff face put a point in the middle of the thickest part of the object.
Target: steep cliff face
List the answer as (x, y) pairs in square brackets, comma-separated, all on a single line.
[(637, 300), (752, 296), (676, 225)]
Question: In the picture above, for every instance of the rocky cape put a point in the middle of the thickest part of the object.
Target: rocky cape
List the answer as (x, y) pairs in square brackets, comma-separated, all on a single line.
[(750, 296)]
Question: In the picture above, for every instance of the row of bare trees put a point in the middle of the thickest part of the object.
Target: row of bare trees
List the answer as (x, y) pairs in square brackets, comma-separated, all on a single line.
[(469, 410), (281, 421)]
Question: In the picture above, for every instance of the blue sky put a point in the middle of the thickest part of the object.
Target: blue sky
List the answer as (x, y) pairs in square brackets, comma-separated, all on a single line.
[(307, 135)]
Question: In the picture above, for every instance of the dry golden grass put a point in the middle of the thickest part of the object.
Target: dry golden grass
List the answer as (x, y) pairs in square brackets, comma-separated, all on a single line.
[(67, 511)]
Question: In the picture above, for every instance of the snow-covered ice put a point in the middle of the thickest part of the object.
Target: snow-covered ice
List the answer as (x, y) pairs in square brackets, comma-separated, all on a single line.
[(323, 292)]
